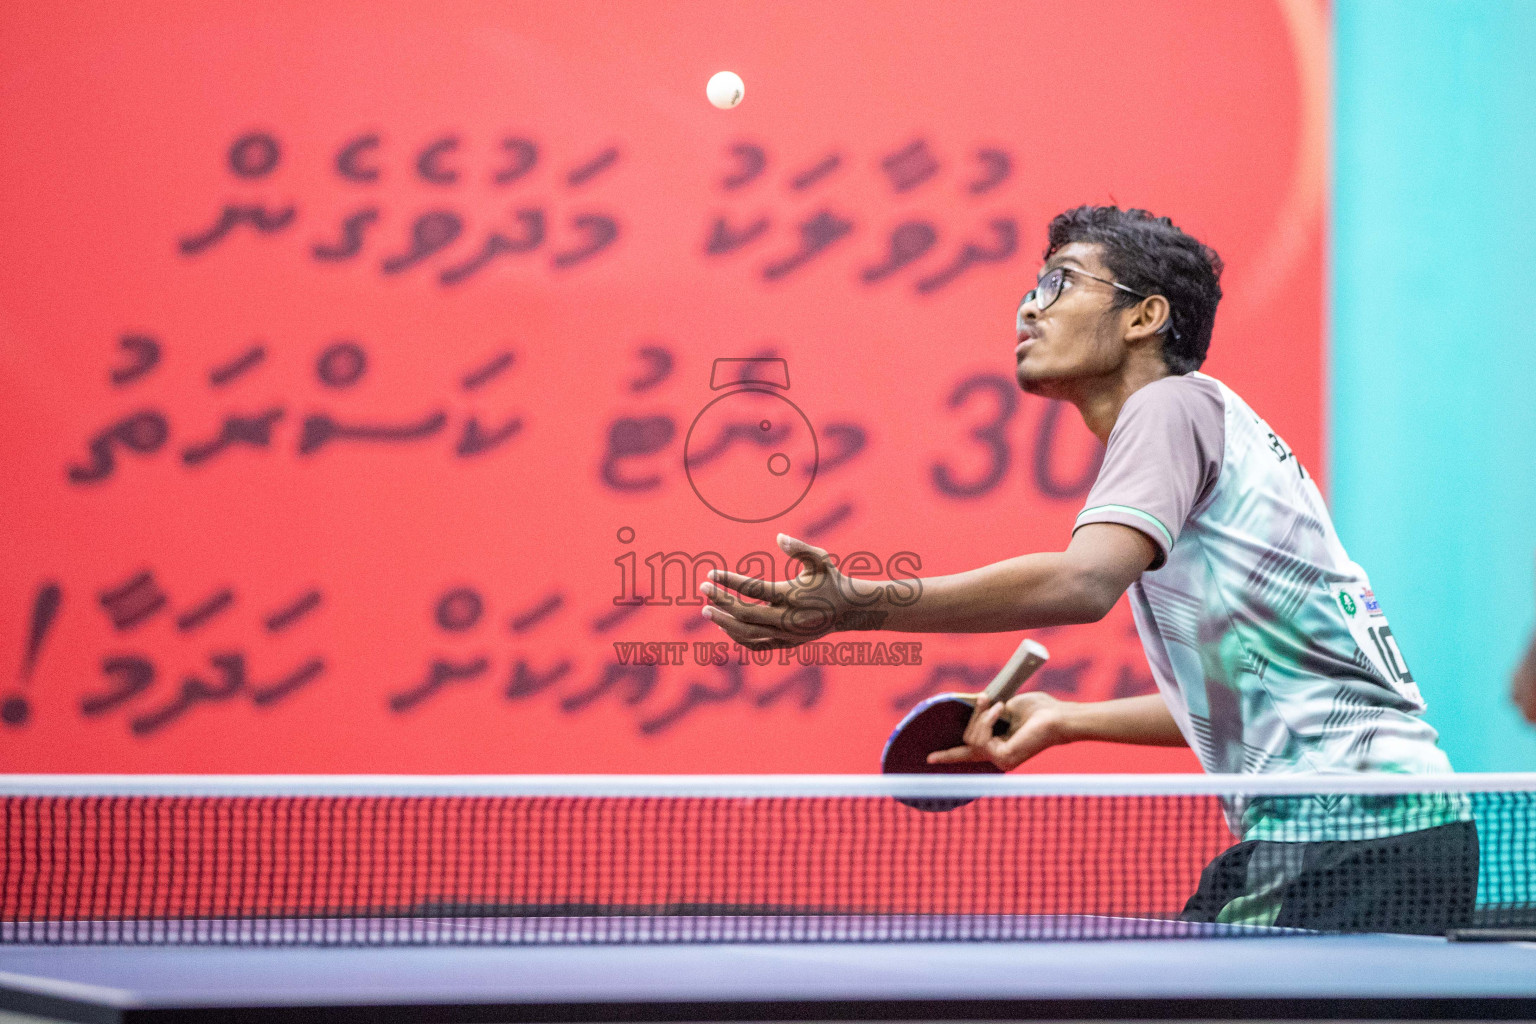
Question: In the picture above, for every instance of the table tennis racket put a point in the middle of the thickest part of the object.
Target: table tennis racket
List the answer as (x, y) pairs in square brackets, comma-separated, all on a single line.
[(939, 722)]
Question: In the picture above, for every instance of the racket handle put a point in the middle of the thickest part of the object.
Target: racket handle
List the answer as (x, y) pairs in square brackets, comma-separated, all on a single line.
[(1029, 657)]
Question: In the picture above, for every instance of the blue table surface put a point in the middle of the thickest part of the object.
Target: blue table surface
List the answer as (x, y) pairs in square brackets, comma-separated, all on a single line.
[(1340, 966)]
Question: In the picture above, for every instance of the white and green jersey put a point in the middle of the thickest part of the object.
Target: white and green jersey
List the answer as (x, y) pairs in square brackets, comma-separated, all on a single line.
[(1265, 640)]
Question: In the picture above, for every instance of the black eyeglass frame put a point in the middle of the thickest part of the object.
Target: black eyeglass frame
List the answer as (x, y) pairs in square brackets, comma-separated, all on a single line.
[(1044, 285)]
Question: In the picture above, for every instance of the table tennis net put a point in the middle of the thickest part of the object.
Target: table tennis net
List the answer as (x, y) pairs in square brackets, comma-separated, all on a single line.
[(351, 861)]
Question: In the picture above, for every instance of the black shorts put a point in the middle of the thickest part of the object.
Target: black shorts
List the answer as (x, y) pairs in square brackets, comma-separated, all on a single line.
[(1421, 883)]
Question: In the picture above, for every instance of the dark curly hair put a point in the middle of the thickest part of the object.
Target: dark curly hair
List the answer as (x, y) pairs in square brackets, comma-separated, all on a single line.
[(1154, 257)]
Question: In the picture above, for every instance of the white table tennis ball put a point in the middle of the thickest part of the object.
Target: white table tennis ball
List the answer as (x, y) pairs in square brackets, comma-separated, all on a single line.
[(725, 89)]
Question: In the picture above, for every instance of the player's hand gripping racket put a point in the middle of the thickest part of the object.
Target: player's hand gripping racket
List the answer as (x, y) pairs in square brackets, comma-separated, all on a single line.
[(939, 722)]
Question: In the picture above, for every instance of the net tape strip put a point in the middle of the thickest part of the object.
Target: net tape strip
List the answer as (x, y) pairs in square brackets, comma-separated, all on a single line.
[(747, 786)]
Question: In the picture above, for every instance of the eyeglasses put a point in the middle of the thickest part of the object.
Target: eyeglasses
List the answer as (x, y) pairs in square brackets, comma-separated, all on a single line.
[(1048, 290)]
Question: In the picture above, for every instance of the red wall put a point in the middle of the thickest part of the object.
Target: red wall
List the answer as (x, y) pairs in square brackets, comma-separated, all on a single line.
[(432, 447)]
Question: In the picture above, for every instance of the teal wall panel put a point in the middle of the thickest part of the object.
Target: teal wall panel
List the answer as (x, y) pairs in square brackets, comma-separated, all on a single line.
[(1433, 346)]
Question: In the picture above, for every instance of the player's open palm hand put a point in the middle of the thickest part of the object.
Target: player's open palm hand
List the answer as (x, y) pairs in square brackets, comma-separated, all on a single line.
[(1034, 724), (1523, 688), (766, 615)]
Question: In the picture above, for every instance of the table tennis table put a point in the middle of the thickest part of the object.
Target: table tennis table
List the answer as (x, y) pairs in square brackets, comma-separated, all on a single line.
[(502, 899), (1269, 977)]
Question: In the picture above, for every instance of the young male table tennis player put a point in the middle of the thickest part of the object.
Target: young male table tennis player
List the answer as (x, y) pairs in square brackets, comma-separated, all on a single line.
[(1270, 651)]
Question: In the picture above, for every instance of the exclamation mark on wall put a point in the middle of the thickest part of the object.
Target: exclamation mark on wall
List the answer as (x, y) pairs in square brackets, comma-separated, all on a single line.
[(16, 709)]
